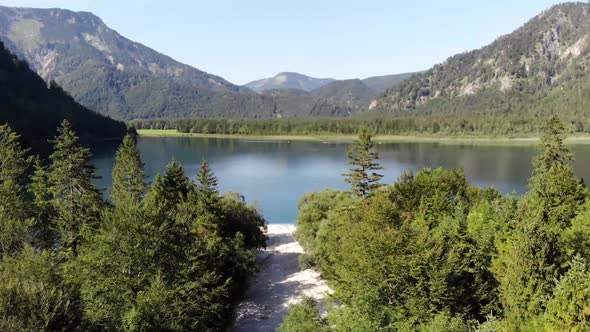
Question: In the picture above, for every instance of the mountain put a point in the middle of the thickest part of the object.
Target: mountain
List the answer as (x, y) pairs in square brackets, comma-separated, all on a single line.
[(381, 83), (352, 93), (34, 110), (113, 75), (541, 68), (288, 80)]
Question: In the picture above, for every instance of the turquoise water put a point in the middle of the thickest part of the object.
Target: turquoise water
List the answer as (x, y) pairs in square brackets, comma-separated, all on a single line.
[(275, 174)]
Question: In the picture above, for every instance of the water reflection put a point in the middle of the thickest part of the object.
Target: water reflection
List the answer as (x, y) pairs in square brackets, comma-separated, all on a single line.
[(276, 174)]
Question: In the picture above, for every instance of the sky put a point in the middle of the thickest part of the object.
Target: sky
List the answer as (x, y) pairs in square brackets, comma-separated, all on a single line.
[(244, 40)]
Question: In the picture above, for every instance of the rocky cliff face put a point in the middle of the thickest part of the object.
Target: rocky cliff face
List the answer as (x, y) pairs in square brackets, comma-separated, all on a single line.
[(551, 50)]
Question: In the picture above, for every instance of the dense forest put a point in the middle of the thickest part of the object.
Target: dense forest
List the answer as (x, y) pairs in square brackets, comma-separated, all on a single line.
[(35, 110), (170, 256), (431, 252), (467, 125)]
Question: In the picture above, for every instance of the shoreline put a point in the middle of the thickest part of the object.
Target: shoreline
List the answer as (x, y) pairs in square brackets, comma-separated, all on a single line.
[(279, 284), (585, 139)]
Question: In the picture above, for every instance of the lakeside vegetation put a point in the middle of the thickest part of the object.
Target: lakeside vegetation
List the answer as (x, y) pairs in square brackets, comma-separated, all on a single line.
[(431, 126), (432, 252), (170, 256), (484, 140)]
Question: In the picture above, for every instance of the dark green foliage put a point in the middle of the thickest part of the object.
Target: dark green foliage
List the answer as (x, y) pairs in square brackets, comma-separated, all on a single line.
[(505, 125), (35, 111), (362, 177), (73, 195), (14, 219), (128, 174)]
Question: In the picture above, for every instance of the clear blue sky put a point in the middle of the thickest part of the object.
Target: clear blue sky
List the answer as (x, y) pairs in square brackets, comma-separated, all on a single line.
[(244, 40)]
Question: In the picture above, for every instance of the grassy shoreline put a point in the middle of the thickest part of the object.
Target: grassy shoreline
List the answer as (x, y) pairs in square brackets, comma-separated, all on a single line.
[(378, 138)]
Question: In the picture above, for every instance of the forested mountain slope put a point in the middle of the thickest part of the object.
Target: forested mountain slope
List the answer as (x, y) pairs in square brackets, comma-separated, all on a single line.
[(35, 111), (113, 75), (541, 67)]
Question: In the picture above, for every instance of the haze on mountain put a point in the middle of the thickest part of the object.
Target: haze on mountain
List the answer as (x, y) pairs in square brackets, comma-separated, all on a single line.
[(541, 67), (115, 76), (288, 80), (354, 94)]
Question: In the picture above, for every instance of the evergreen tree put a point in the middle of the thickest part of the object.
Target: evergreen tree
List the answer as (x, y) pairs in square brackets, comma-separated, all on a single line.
[(363, 178), (43, 211), (76, 200), (128, 174), (531, 257), (207, 180), (554, 184), (14, 221), (569, 308), (170, 189)]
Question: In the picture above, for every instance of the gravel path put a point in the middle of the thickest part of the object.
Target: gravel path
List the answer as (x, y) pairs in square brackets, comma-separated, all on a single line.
[(279, 284)]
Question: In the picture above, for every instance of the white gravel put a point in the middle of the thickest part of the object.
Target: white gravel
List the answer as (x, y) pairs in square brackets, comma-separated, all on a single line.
[(279, 284)]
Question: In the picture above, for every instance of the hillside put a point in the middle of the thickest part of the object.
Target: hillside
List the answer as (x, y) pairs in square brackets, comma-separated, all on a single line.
[(352, 93), (113, 75), (288, 80), (381, 83), (35, 111), (541, 68)]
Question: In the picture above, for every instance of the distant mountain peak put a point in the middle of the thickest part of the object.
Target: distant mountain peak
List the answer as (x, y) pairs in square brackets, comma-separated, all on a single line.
[(288, 80)]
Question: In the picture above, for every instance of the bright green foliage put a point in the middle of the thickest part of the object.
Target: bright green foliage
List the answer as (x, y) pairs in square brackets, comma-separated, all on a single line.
[(14, 220), (117, 262), (75, 198), (152, 309), (432, 253), (128, 174), (34, 295), (569, 308), (531, 257), (554, 185), (575, 240), (304, 317), (363, 178)]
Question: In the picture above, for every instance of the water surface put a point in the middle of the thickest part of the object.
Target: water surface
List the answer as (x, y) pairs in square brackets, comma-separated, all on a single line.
[(275, 174)]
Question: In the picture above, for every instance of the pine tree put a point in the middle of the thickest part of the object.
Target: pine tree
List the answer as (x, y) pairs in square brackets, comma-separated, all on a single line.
[(128, 175), (363, 178), (76, 200), (207, 180), (43, 210), (557, 189), (14, 221), (170, 189), (531, 258)]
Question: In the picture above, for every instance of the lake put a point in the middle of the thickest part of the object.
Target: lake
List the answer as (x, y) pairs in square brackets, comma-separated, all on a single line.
[(274, 175)]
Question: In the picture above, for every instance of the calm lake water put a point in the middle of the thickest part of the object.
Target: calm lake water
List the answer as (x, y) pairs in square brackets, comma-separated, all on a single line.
[(276, 174)]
